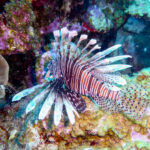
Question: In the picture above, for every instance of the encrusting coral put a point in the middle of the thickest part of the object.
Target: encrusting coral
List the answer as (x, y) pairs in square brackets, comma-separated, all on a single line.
[(19, 31), (139, 8), (105, 15)]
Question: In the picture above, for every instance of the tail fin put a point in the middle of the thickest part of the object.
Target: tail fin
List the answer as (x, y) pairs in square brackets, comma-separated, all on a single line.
[(133, 101)]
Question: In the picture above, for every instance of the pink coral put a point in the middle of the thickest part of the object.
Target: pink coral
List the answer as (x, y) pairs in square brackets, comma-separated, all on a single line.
[(19, 14), (12, 41), (56, 25), (19, 33)]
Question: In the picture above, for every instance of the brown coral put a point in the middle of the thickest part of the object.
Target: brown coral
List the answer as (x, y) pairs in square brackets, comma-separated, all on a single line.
[(4, 70)]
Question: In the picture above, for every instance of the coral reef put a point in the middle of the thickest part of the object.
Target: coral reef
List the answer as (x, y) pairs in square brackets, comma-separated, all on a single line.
[(97, 19), (105, 15), (19, 32), (139, 7), (12, 41), (19, 15)]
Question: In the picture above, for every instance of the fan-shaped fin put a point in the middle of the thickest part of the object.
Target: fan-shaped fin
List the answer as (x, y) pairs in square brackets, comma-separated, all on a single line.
[(36, 100), (58, 109), (72, 34), (91, 42), (70, 111), (73, 51), (111, 60), (65, 48), (104, 53), (47, 105), (110, 78), (88, 53), (112, 68), (64, 32), (111, 87), (26, 92), (82, 38), (56, 35)]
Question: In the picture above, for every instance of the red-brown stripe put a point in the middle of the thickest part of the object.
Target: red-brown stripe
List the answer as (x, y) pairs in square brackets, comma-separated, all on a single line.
[(99, 88), (89, 86), (80, 81)]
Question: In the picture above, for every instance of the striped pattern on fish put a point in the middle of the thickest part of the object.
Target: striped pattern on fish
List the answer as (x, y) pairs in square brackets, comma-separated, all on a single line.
[(73, 72), (80, 71), (80, 80)]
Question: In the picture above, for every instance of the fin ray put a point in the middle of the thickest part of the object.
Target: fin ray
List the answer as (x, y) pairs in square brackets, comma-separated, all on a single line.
[(58, 110), (26, 92), (47, 105)]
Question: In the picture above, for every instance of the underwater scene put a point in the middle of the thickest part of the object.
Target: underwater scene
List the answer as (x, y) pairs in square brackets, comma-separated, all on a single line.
[(74, 74)]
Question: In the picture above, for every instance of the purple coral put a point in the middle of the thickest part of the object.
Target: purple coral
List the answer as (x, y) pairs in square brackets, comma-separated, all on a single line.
[(56, 25), (12, 41)]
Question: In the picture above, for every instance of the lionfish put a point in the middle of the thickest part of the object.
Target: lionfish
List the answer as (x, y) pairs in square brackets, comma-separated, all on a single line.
[(74, 71)]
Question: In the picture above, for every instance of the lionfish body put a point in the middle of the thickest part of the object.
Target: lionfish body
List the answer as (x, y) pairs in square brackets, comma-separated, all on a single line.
[(84, 74), (73, 72)]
